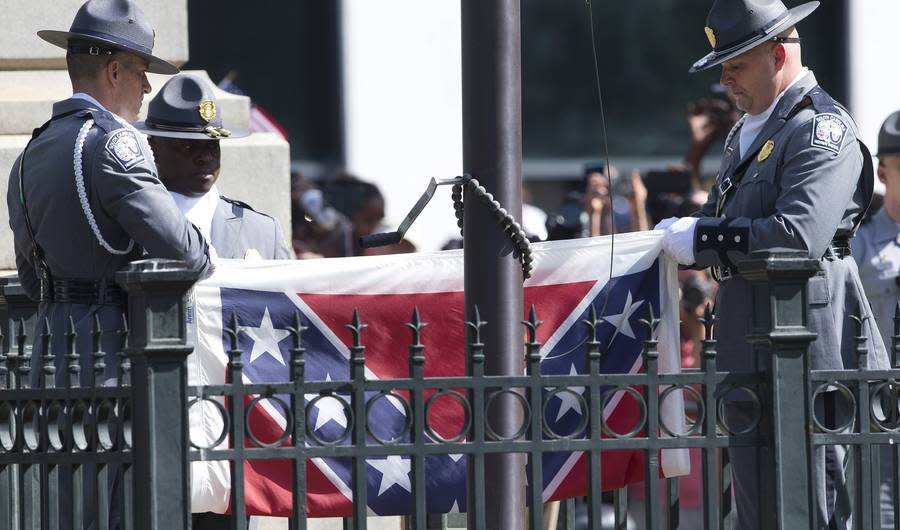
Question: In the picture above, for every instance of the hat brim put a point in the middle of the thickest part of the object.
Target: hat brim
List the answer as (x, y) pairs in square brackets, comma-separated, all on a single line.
[(891, 151), (187, 135), (795, 15), (61, 39)]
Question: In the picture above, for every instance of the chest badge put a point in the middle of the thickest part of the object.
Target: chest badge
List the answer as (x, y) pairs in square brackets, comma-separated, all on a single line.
[(207, 110), (766, 150)]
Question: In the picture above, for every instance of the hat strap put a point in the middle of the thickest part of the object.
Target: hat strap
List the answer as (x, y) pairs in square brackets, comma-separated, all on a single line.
[(209, 130), (90, 49)]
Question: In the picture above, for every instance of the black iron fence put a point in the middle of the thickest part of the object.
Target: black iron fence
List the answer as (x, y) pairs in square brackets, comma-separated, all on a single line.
[(119, 452)]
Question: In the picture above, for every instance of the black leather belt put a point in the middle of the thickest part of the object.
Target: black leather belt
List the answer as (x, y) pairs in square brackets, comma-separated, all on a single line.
[(838, 249), (89, 292)]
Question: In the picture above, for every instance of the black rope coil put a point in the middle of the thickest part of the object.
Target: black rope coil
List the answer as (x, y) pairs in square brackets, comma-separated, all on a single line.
[(511, 227)]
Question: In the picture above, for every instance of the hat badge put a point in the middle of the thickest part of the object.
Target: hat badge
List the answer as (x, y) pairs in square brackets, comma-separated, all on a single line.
[(207, 110), (711, 35)]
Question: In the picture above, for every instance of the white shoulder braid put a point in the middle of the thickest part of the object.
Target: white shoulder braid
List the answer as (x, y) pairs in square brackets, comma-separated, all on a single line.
[(82, 194), (734, 130)]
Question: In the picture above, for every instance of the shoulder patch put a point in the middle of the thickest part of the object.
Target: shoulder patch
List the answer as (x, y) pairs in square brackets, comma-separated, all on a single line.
[(123, 145), (828, 132)]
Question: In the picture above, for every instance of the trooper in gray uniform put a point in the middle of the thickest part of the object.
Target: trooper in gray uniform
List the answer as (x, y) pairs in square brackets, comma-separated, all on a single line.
[(876, 249), (793, 176), (84, 198), (184, 124)]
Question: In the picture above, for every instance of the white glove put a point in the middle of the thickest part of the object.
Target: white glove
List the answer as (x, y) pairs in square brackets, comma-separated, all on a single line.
[(665, 223), (678, 240)]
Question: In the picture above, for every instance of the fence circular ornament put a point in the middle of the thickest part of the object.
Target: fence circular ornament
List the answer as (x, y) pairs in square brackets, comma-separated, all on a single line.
[(31, 425), (846, 393), (80, 423), (755, 407), (125, 422), (348, 414), (526, 413), (106, 424), (693, 428), (642, 407), (407, 417), (56, 417), (467, 416), (226, 422), (288, 422), (578, 431), (8, 426), (886, 419)]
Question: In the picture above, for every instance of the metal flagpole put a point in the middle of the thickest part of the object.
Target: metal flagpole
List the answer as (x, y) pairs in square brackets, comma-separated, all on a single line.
[(492, 153)]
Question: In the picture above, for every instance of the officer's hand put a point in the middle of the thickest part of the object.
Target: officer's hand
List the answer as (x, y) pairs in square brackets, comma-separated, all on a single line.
[(678, 241), (665, 223)]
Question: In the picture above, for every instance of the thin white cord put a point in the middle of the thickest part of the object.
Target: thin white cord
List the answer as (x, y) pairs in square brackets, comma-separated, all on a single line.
[(82, 194)]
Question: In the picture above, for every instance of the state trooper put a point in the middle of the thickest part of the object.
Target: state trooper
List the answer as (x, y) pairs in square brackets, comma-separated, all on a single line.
[(793, 175), (84, 198), (876, 249), (184, 125)]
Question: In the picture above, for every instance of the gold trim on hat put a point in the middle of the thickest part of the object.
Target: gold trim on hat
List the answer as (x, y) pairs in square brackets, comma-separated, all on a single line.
[(207, 110), (711, 35)]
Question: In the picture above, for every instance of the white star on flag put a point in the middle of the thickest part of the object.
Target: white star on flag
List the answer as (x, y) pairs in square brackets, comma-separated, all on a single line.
[(622, 321), (394, 470), (568, 400), (328, 409), (266, 338)]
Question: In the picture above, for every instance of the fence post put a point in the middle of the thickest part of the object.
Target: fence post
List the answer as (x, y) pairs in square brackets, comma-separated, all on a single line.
[(14, 304), (158, 349), (778, 280)]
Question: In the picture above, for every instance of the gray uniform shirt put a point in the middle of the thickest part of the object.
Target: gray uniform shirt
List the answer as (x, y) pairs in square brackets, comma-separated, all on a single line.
[(876, 249), (801, 187), (127, 201), (237, 228)]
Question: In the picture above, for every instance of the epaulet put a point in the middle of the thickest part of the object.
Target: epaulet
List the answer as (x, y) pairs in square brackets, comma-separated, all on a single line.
[(105, 120), (822, 101), (241, 204)]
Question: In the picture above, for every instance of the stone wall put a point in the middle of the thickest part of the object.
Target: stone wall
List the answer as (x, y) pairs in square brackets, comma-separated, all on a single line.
[(255, 169)]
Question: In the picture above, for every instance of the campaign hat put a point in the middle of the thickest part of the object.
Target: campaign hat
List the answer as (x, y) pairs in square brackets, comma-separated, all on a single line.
[(889, 136), (186, 107), (737, 26), (102, 27)]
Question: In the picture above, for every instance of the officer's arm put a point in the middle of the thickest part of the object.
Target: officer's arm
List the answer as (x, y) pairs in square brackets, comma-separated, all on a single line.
[(815, 187), (28, 277), (139, 202)]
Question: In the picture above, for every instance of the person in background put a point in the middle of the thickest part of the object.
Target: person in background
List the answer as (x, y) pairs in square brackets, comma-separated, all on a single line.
[(361, 208), (586, 212), (876, 249)]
